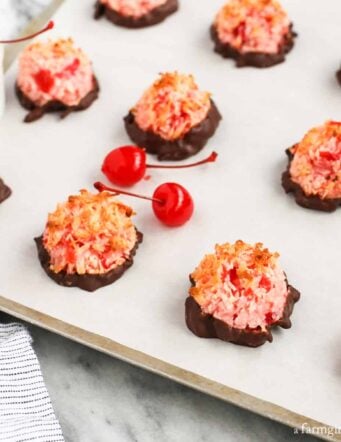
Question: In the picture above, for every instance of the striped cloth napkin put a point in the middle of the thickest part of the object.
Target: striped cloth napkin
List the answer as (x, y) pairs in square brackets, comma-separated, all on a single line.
[(26, 412)]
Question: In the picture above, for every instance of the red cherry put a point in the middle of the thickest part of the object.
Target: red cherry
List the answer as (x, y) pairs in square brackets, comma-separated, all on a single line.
[(172, 204), (178, 204), (49, 26), (126, 165)]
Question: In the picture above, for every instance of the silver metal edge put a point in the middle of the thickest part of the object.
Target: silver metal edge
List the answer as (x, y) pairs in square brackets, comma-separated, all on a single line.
[(140, 359)]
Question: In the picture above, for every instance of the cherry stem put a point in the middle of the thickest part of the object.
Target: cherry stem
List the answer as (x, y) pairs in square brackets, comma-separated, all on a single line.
[(49, 26), (210, 159), (101, 187)]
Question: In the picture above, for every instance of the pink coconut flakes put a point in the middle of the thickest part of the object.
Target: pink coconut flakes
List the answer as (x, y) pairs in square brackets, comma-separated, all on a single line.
[(241, 285), (172, 106), (89, 234), (252, 25), (133, 8), (316, 165), (55, 70)]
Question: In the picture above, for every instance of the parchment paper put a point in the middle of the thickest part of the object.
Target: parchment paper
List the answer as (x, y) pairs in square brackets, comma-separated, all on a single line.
[(265, 111)]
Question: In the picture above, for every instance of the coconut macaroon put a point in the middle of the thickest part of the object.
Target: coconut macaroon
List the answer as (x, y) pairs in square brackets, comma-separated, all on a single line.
[(5, 191), (174, 118), (55, 76), (253, 32), (89, 241), (135, 13), (238, 294), (314, 170)]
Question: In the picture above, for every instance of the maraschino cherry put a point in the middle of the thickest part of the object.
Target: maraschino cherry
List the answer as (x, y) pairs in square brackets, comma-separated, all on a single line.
[(127, 165), (49, 26), (172, 204)]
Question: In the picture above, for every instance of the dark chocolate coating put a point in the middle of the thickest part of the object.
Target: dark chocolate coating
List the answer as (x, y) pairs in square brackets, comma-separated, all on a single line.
[(5, 191), (338, 76), (153, 17), (313, 202), (206, 326), (36, 112), (190, 144), (255, 59), (87, 282)]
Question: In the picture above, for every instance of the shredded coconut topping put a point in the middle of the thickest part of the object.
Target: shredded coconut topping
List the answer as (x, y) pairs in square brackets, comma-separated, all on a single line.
[(55, 70), (316, 165), (89, 234), (133, 8), (253, 25), (242, 285), (172, 106)]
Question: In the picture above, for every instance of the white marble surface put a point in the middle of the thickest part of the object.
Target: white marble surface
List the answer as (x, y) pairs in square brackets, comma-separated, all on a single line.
[(100, 399), (15, 14)]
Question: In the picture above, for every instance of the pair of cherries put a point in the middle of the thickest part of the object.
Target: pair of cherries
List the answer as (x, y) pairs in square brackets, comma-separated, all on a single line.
[(172, 203)]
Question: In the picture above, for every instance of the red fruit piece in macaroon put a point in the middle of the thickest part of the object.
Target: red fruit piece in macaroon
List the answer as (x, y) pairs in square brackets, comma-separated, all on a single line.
[(70, 69), (268, 318), (265, 283), (233, 276), (44, 80)]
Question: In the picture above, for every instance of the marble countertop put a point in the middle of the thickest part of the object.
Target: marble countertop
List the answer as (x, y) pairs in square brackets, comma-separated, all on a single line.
[(101, 399), (16, 14)]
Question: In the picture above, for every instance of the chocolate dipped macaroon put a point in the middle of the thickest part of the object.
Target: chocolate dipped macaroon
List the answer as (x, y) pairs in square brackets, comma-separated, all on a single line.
[(239, 294), (135, 13), (174, 119), (338, 76), (313, 174), (254, 33), (55, 76), (89, 241), (5, 191)]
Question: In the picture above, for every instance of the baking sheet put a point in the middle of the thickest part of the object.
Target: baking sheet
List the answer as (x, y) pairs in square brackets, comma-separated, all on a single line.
[(264, 112)]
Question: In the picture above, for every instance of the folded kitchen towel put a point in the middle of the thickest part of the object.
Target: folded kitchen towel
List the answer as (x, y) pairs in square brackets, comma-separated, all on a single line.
[(26, 412)]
